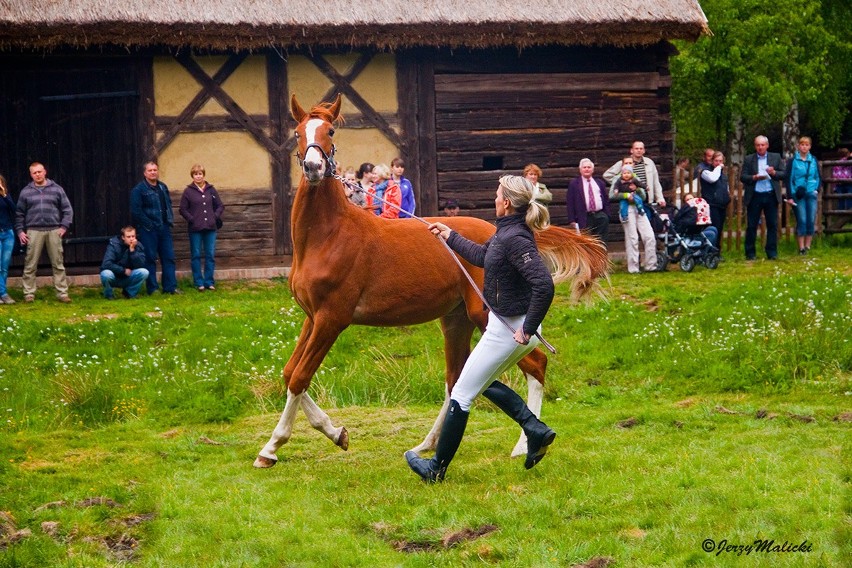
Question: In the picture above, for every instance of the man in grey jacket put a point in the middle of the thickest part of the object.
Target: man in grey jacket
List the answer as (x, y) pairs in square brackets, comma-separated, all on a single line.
[(43, 216)]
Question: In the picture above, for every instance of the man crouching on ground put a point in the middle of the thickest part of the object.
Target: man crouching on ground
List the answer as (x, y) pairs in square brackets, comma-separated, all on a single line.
[(124, 265)]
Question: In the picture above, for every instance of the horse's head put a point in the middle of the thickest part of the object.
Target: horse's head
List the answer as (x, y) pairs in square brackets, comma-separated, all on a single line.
[(313, 134)]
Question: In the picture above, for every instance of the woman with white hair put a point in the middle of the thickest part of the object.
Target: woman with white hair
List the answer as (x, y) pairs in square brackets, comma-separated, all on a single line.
[(519, 288)]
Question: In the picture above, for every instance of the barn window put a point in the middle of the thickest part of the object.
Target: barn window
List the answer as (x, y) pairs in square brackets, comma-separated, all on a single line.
[(490, 163)]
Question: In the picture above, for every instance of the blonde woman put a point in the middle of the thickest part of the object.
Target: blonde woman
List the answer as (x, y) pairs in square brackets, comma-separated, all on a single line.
[(519, 288), (7, 239), (533, 173)]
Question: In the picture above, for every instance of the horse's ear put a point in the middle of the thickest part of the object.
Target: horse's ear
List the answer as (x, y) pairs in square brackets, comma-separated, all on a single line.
[(334, 109), (296, 109)]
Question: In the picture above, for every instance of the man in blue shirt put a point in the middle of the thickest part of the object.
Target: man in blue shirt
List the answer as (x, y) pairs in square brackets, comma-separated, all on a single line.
[(761, 174)]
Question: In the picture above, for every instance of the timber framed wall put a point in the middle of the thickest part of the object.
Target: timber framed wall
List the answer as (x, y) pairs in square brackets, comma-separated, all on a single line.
[(460, 118)]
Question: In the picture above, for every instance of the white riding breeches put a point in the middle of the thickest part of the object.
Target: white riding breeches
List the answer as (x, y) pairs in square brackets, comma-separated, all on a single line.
[(496, 351)]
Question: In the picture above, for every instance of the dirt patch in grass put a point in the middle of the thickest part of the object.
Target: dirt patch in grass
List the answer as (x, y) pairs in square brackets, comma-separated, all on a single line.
[(428, 545), (9, 533), (596, 562), (843, 417), (628, 423)]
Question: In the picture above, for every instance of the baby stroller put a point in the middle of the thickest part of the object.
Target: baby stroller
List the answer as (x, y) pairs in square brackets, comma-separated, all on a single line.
[(683, 240)]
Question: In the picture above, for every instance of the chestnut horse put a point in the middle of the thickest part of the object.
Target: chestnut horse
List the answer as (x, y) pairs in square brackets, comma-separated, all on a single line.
[(398, 274)]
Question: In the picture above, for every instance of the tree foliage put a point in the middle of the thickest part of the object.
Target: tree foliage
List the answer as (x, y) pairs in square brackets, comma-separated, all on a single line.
[(761, 60)]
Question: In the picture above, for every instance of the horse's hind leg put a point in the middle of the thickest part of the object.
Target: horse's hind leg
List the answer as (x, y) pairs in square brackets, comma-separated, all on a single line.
[(430, 442), (320, 421), (534, 366), (457, 329)]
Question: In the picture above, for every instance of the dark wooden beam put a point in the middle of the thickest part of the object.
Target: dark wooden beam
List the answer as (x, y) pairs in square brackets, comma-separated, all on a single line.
[(346, 88), (426, 139), (224, 99), (200, 98), (210, 123), (147, 126), (350, 76), (276, 74), (406, 76)]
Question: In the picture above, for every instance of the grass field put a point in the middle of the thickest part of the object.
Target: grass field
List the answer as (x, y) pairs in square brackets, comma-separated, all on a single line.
[(714, 405)]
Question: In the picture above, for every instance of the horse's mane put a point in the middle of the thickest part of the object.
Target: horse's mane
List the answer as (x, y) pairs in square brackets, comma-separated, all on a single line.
[(323, 111)]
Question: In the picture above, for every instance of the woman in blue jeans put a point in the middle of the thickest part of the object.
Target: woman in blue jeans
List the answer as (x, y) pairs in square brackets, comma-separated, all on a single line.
[(202, 208), (7, 239), (803, 185)]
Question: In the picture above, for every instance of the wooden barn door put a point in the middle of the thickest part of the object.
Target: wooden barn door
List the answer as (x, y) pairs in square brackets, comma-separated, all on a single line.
[(496, 111), (78, 116)]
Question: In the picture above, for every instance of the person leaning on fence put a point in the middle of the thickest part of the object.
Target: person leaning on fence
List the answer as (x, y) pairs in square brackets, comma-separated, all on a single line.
[(714, 190), (7, 239), (761, 177), (42, 218), (123, 265), (803, 185), (843, 175)]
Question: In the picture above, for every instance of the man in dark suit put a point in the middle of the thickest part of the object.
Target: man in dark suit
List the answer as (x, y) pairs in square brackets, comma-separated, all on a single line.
[(587, 200), (761, 174)]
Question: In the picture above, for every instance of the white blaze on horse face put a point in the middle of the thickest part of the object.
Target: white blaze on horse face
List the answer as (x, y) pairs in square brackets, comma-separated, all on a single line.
[(313, 156)]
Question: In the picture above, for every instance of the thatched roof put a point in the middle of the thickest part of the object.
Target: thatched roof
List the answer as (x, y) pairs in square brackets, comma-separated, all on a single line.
[(384, 24)]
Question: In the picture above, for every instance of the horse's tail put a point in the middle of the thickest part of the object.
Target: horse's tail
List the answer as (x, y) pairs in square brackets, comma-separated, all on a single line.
[(574, 256)]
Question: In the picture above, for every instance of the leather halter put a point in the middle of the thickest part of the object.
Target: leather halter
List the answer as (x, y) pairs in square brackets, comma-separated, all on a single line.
[(329, 158)]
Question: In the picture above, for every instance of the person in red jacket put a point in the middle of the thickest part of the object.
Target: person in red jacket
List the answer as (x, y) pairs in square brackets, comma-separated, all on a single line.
[(392, 195)]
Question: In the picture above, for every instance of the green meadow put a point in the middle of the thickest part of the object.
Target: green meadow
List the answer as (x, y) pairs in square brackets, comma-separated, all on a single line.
[(698, 414)]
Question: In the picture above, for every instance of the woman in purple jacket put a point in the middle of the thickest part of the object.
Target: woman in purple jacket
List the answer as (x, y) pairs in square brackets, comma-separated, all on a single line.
[(202, 208)]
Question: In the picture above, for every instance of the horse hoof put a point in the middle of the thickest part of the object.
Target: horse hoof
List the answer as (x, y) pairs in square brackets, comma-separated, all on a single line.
[(263, 462), (343, 439)]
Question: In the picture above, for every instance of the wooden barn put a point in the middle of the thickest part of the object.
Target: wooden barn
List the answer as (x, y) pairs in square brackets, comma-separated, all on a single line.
[(465, 92)]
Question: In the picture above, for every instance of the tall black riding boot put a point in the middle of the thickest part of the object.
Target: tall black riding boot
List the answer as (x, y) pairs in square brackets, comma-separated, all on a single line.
[(434, 469), (539, 435)]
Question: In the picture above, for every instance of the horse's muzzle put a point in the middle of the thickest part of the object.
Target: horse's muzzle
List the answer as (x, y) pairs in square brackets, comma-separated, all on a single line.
[(314, 171)]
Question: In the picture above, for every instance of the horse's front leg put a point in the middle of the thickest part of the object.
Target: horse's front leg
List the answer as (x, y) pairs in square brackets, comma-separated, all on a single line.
[(320, 421), (314, 343), (281, 434)]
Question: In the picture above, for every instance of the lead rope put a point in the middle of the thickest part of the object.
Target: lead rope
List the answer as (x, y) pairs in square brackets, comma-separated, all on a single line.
[(358, 189)]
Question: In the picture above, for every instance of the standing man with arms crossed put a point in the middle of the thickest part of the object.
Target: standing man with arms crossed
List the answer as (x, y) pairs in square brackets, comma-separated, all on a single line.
[(151, 211), (43, 216), (761, 174)]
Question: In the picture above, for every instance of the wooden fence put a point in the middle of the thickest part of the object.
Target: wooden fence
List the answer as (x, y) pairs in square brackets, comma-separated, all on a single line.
[(832, 214)]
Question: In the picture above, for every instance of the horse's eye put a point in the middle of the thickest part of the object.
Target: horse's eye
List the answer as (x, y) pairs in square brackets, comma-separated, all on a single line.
[(296, 134), (331, 131)]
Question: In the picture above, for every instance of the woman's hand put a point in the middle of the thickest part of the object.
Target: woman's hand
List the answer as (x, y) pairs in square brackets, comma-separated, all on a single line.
[(440, 230), (521, 337)]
